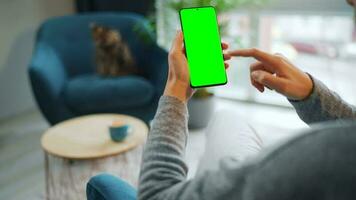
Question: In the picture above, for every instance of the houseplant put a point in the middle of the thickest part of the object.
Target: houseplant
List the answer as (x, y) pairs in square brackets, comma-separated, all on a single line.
[(201, 107)]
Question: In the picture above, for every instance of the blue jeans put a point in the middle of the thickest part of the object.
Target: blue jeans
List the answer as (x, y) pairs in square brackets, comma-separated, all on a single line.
[(108, 187)]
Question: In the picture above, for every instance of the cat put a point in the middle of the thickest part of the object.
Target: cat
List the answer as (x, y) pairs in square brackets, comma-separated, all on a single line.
[(112, 54)]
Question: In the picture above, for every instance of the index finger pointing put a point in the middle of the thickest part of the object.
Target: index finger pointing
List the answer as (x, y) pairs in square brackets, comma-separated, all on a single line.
[(255, 53)]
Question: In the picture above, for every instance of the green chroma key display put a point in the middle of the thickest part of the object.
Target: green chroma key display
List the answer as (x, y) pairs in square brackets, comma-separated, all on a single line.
[(203, 47)]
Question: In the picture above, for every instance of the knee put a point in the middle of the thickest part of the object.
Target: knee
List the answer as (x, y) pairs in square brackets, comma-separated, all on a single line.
[(106, 186)]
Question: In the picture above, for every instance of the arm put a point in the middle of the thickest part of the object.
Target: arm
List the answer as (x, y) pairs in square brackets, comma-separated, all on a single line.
[(48, 76), (46, 66), (313, 101), (157, 60), (163, 166), (163, 172), (323, 105), (154, 59)]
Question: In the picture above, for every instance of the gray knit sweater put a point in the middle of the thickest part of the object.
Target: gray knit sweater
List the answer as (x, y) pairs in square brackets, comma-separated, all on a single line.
[(289, 172)]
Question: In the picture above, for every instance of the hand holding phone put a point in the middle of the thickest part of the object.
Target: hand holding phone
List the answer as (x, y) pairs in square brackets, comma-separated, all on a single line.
[(178, 82), (203, 47)]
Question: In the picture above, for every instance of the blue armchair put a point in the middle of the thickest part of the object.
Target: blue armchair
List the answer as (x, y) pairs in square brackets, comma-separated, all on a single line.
[(62, 70)]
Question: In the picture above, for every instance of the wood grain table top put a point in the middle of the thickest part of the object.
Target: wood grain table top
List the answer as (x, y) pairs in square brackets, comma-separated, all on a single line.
[(88, 137)]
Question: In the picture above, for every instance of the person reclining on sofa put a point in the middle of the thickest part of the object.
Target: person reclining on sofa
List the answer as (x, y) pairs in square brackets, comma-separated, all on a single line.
[(317, 164)]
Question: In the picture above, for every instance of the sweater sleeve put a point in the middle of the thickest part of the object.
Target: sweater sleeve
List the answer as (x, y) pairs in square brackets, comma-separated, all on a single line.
[(323, 105), (162, 164), (163, 171)]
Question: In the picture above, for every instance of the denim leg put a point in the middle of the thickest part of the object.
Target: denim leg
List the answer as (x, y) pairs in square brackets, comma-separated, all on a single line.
[(108, 187)]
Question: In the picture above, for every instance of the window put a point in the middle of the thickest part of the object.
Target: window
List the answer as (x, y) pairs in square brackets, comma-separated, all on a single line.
[(320, 45), (319, 41)]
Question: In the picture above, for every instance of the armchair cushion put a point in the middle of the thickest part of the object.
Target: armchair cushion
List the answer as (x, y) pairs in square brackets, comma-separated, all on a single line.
[(94, 93)]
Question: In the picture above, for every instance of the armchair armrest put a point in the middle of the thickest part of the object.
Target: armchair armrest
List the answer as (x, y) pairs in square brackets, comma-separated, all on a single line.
[(47, 68), (48, 76), (158, 61)]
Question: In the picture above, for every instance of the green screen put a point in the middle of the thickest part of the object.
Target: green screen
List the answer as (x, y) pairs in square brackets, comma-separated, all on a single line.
[(203, 47)]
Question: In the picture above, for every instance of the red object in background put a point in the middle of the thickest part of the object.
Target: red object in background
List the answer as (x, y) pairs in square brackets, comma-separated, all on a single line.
[(320, 49), (305, 48)]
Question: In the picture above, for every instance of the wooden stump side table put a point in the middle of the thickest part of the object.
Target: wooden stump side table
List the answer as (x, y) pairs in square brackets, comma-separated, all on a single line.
[(80, 148)]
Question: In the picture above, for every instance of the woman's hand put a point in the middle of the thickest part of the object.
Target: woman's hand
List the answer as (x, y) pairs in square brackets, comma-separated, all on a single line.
[(178, 82), (277, 73)]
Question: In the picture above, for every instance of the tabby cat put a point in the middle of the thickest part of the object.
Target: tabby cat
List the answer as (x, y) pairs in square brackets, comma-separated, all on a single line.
[(112, 54)]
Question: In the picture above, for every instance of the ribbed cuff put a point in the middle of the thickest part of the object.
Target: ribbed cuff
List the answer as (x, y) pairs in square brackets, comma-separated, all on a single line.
[(173, 103), (312, 98), (172, 114)]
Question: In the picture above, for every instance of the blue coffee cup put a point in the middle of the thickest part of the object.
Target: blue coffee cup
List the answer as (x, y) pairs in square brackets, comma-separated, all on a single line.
[(119, 133)]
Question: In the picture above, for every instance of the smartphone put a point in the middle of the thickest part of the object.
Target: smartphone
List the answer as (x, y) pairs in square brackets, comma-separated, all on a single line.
[(203, 47)]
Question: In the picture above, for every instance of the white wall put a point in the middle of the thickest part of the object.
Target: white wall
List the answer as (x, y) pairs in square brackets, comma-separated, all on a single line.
[(19, 20)]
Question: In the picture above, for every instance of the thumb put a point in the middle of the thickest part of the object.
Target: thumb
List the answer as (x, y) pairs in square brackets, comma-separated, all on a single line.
[(269, 80)]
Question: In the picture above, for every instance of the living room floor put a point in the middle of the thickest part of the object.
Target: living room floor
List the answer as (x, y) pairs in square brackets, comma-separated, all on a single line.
[(21, 157)]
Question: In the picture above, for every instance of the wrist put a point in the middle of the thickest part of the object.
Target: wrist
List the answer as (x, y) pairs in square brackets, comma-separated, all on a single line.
[(177, 90), (306, 89), (309, 86)]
